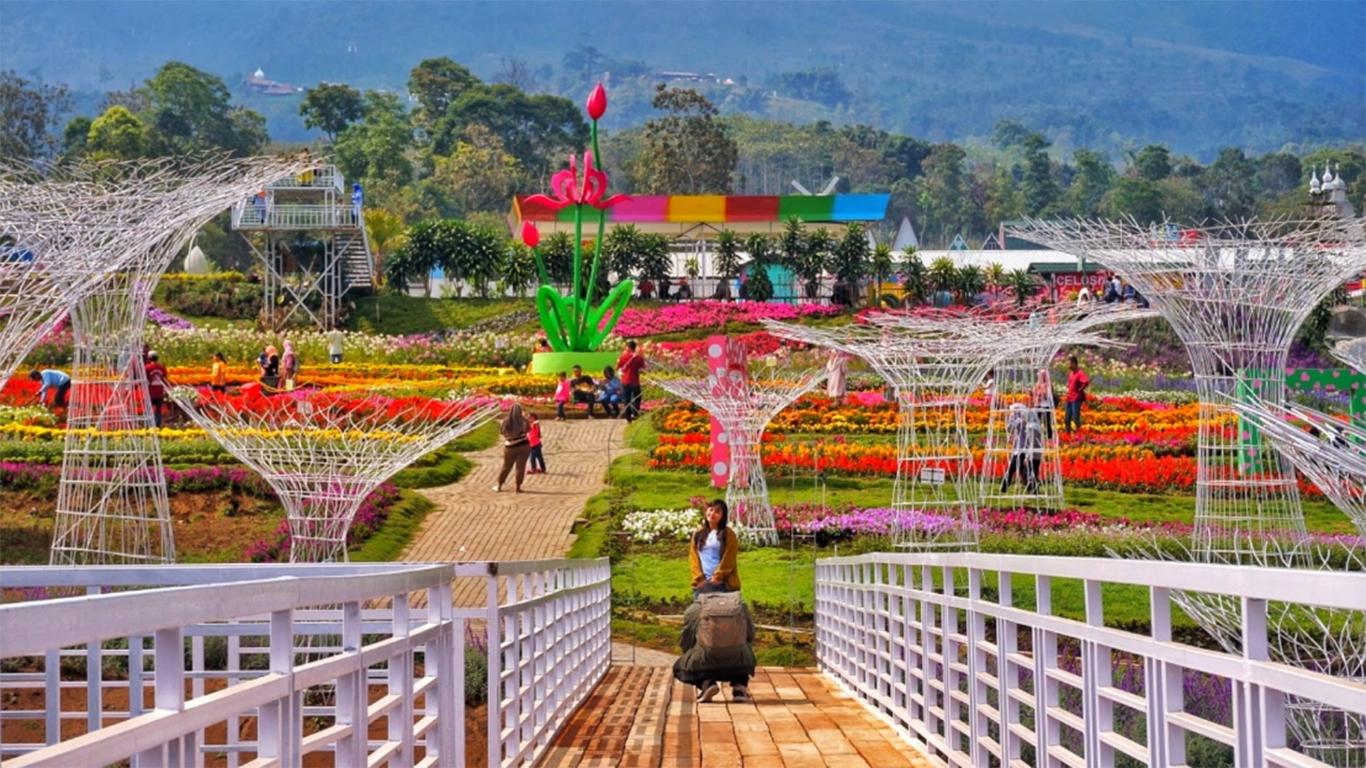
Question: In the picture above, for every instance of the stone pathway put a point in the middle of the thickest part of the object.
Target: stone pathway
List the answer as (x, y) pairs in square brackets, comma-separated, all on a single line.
[(471, 522), (639, 716)]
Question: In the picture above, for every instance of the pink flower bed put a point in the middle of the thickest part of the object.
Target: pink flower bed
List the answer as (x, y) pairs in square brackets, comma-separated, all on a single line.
[(711, 314)]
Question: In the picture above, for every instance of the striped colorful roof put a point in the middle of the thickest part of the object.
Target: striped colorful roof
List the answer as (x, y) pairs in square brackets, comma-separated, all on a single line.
[(720, 209)]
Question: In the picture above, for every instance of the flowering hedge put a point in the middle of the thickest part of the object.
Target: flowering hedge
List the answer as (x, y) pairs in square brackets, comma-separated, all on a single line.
[(684, 316)]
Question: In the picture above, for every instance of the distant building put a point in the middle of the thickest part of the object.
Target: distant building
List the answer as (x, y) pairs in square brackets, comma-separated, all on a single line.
[(259, 83), (692, 77)]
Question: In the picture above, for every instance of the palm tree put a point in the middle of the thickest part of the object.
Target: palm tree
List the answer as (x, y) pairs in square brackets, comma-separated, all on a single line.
[(943, 275), (884, 264), (1022, 284), (727, 262), (386, 232), (815, 259), (970, 283), (914, 273), (995, 275)]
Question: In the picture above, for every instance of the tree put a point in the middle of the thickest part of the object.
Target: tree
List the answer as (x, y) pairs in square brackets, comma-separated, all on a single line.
[(687, 152), (377, 146), (1227, 186), (1138, 198), (537, 130), (1040, 189), (815, 260), (758, 287), (437, 84), (621, 250), (792, 245), (727, 263), (942, 193), (516, 72), (190, 111), (970, 282), (995, 276), (426, 247), (884, 263), (851, 259), (557, 252), (517, 269), (29, 116), (943, 276), (386, 232), (655, 261), (915, 275), (1092, 180), (331, 107), (75, 133), (117, 134), (479, 175), (1153, 163), (1022, 284)]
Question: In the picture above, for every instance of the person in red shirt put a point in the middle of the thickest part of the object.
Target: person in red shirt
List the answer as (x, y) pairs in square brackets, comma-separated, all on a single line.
[(536, 458), (156, 385), (629, 366), (1077, 382)]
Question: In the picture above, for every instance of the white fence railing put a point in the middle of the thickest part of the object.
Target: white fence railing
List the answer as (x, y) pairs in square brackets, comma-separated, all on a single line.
[(254, 215), (938, 645), (261, 665)]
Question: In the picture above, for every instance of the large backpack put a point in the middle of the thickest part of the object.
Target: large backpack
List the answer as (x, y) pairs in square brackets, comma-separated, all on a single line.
[(722, 625)]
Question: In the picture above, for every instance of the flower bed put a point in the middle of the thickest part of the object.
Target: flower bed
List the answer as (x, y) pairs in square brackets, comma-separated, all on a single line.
[(687, 315)]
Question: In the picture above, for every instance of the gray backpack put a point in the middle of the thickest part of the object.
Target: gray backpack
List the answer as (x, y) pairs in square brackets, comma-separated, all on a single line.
[(722, 625)]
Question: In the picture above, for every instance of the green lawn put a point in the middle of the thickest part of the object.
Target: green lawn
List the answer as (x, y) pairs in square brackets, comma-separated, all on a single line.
[(394, 314)]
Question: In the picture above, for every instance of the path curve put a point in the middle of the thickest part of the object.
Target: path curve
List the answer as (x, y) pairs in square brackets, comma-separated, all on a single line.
[(472, 522)]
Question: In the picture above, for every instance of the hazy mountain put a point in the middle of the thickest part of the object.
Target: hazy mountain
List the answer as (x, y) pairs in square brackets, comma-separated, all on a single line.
[(1197, 76)]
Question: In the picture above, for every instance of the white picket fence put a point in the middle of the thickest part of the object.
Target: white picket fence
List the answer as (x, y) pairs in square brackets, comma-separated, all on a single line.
[(976, 679), (264, 664)]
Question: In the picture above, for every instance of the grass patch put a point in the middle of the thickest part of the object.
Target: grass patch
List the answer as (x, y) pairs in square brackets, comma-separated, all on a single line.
[(395, 314), (398, 530)]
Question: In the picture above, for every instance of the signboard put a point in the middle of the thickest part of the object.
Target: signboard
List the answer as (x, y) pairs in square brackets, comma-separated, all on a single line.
[(1073, 281), (932, 475)]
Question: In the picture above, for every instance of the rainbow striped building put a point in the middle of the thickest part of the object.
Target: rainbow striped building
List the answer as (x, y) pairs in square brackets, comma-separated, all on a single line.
[(698, 217)]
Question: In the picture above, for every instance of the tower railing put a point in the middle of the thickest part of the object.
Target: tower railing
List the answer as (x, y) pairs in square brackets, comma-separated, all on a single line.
[(967, 655), (263, 664)]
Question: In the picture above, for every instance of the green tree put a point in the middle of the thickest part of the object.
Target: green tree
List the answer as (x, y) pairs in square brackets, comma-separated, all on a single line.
[(117, 134), (386, 232), (1139, 198), (1039, 187), (479, 174), (970, 282), (883, 265), (378, 145), (557, 251), (916, 277), (687, 152), (538, 130), (943, 276), (815, 260), (792, 245), (74, 135), (29, 116), (426, 246), (1022, 284), (727, 263), (1153, 163), (621, 250), (517, 269), (1227, 186), (995, 277), (331, 107), (851, 259), (942, 193), (758, 287), (436, 84), (655, 261), (190, 111), (1092, 180)]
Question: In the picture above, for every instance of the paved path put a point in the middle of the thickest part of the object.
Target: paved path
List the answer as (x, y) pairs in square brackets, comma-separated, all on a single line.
[(471, 522), (639, 716)]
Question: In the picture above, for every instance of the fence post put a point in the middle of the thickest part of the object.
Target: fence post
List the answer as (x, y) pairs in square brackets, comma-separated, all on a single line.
[(495, 668), (351, 694), (1166, 745)]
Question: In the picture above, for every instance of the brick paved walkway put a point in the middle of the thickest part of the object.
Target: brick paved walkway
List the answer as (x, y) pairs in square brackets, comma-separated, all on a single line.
[(639, 716), (471, 522)]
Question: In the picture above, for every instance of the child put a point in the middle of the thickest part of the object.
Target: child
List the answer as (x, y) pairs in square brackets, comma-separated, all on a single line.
[(537, 459), (562, 394)]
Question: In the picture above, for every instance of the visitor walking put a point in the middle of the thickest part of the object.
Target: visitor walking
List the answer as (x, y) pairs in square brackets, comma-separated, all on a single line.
[(157, 382), (1025, 438), (609, 393), (1044, 402), (218, 374), (836, 375), (516, 446), (1077, 382), (54, 381), (335, 339), (630, 364), (718, 632), (289, 366), (585, 390), (533, 436), (563, 392)]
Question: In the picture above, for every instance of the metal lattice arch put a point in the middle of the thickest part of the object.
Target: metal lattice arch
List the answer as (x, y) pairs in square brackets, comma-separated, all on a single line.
[(1235, 293), (1352, 353), (743, 402), (324, 453)]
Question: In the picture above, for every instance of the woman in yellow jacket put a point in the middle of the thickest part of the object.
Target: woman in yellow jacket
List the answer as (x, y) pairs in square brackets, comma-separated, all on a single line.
[(714, 552)]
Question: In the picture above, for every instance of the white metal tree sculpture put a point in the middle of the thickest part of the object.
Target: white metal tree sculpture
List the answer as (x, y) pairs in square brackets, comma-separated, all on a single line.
[(112, 504), (1235, 293), (1352, 353), (1329, 451), (933, 370), (1022, 456), (743, 401), (324, 452)]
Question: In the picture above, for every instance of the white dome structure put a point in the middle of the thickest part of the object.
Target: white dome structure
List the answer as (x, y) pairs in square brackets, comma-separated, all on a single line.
[(196, 263)]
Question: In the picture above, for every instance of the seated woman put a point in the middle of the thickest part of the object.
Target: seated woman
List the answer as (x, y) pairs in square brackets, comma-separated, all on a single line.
[(611, 392), (718, 632)]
